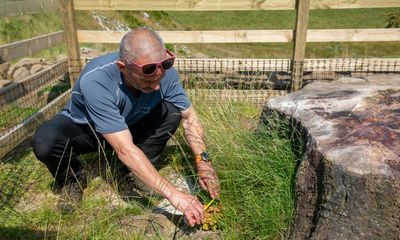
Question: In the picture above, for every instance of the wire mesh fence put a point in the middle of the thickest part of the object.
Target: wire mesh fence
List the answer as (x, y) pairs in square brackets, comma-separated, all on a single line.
[(22, 103), (247, 80)]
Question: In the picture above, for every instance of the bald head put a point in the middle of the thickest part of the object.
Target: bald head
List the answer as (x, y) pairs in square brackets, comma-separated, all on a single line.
[(141, 42)]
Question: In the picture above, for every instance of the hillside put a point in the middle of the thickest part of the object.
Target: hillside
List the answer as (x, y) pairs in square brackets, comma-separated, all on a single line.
[(21, 27)]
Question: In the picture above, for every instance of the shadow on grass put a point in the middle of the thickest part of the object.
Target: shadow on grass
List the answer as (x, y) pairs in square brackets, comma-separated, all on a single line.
[(9, 233), (108, 167)]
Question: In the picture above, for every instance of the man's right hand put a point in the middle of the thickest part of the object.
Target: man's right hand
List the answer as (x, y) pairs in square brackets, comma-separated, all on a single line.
[(189, 205)]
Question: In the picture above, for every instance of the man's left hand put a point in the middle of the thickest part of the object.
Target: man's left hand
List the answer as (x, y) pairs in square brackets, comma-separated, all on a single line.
[(208, 178)]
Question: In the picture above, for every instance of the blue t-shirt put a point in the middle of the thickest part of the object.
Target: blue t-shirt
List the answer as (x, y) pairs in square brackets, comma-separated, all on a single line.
[(100, 96)]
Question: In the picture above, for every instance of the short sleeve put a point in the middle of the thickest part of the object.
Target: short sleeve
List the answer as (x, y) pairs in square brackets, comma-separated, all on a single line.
[(101, 104), (173, 92)]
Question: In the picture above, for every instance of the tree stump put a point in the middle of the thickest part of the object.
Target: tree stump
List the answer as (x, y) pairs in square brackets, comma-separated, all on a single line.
[(348, 183)]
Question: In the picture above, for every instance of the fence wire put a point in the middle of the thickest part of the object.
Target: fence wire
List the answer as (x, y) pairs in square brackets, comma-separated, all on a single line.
[(21, 101), (25, 104)]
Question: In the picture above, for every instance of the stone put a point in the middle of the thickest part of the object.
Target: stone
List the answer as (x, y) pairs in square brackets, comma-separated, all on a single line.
[(21, 73), (148, 224), (28, 62), (348, 183), (36, 68), (4, 69), (4, 83)]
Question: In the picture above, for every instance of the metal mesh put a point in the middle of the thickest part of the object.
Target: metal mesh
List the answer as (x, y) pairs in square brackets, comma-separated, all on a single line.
[(246, 80), (330, 69), (22, 101)]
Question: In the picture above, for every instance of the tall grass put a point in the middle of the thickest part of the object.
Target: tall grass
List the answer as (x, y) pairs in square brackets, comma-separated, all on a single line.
[(256, 170), (256, 165)]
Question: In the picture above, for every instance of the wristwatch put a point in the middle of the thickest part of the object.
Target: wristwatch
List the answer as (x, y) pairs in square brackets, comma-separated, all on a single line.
[(202, 157)]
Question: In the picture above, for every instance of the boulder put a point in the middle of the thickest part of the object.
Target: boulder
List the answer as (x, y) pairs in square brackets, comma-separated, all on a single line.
[(4, 83), (23, 63), (36, 68), (28, 62), (4, 69), (21, 73), (348, 183)]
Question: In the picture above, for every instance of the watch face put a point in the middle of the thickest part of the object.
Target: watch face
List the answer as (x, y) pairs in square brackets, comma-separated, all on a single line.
[(205, 157)]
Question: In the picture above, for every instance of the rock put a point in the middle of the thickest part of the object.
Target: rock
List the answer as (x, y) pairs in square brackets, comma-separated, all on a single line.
[(4, 69), (21, 73), (148, 224), (28, 62), (348, 184), (4, 83), (36, 68)]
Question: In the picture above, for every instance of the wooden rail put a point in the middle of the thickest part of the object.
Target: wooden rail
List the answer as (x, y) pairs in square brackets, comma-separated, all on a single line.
[(26, 47), (247, 36), (226, 5), (21, 7)]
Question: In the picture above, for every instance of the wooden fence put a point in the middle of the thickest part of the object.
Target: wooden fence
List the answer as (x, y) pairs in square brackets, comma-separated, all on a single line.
[(300, 34)]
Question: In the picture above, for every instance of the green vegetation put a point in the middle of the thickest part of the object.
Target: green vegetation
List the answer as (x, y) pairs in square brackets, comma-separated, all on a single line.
[(27, 26), (256, 171), (55, 89), (22, 27), (319, 19), (13, 114)]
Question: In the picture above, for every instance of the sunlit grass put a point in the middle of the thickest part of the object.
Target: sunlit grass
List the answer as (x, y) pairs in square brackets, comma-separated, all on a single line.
[(256, 167), (256, 170)]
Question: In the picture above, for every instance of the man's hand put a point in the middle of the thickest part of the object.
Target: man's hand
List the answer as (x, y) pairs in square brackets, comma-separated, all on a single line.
[(208, 178), (189, 205)]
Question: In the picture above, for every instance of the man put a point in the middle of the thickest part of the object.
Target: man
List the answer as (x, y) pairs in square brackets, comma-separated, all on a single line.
[(134, 101)]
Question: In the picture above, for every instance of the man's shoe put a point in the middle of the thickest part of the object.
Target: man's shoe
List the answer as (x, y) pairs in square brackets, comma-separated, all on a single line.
[(71, 196)]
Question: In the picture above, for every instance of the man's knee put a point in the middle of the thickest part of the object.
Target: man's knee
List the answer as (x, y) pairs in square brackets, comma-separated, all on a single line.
[(43, 142)]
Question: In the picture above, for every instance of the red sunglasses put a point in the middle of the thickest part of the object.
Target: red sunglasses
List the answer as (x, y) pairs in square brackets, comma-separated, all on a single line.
[(151, 68)]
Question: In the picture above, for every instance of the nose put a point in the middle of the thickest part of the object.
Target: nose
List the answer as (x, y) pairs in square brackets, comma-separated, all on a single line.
[(159, 70), (156, 87)]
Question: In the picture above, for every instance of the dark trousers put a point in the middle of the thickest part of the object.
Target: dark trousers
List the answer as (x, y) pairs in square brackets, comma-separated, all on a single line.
[(59, 141)]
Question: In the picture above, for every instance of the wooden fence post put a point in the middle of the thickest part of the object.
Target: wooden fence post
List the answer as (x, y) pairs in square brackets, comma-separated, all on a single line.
[(71, 37), (300, 35)]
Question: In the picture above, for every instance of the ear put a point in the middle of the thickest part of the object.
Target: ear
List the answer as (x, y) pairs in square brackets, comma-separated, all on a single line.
[(121, 65)]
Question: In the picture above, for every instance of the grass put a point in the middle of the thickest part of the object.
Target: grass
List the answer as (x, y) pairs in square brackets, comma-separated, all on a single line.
[(56, 89), (22, 27), (14, 114), (27, 26), (256, 171), (319, 19)]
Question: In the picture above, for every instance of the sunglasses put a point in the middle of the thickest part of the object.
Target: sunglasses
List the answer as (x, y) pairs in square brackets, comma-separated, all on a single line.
[(151, 68)]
